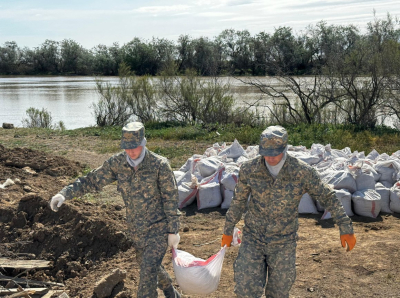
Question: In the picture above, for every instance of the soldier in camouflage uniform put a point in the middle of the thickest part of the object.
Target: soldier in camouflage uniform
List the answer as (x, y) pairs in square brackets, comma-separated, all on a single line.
[(275, 183), (149, 190)]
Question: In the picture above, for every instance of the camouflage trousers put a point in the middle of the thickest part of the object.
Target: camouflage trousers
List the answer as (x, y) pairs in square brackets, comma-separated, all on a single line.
[(256, 262), (149, 259)]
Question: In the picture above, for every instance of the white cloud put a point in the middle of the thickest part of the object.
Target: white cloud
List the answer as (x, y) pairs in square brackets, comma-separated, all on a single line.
[(215, 14), (163, 9)]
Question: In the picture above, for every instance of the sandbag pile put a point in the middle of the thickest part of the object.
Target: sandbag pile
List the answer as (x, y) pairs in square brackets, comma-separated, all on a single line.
[(211, 178), (365, 184)]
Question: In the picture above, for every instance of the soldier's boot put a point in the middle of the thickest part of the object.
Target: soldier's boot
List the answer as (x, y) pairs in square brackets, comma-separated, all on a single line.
[(171, 292)]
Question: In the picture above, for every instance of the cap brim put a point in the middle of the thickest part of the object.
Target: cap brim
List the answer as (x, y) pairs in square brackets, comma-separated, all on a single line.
[(129, 145), (271, 152)]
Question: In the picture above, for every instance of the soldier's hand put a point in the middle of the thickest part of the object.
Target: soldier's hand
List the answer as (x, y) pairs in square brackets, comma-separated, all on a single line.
[(349, 239), (226, 240), (56, 202), (173, 240)]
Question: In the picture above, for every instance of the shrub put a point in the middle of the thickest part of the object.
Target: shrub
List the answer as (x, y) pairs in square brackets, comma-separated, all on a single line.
[(37, 118)]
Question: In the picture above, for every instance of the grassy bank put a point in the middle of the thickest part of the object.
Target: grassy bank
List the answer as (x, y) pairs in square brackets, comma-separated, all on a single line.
[(179, 142)]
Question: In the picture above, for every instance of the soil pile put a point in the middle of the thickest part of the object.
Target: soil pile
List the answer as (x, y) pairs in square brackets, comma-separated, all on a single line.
[(74, 239)]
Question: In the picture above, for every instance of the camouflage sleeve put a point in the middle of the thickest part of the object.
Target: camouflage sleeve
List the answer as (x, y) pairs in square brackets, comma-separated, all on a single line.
[(169, 195), (238, 204), (93, 181), (327, 197)]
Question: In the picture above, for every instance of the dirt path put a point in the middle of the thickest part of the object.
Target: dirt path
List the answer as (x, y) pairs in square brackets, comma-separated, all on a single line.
[(86, 239)]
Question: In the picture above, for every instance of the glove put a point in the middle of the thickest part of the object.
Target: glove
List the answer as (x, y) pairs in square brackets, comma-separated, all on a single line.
[(226, 240), (56, 202), (173, 240), (350, 239)]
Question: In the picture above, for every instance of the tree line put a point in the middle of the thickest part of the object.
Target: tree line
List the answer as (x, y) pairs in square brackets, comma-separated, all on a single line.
[(232, 52)]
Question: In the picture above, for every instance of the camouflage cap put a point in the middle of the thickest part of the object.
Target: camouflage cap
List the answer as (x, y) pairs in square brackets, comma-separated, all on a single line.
[(273, 141), (132, 135)]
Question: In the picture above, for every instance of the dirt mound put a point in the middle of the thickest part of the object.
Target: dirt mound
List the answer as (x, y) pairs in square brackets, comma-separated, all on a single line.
[(18, 158), (74, 239)]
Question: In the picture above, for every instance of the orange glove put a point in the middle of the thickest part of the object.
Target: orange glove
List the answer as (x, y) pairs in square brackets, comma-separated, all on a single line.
[(350, 239), (226, 240)]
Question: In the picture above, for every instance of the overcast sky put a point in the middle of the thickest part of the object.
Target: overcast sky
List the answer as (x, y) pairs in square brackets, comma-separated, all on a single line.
[(93, 22)]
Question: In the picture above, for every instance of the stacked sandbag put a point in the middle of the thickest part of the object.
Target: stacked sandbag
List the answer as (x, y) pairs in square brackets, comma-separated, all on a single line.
[(384, 192), (187, 188), (307, 205), (389, 169), (211, 178), (395, 198), (365, 184), (344, 197), (228, 183), (209, 194), (341, 179), (366, 202)]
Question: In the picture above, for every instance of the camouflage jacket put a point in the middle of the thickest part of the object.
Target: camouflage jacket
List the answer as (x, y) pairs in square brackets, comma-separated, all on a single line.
[(150, 193), (272, 209)]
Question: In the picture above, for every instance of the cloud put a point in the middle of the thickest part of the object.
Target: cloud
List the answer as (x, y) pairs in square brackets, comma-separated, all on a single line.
[(56, 14), (215, 14), (163, 9)]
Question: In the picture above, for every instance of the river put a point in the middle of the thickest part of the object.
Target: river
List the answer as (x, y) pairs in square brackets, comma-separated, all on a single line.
[(68, 99)]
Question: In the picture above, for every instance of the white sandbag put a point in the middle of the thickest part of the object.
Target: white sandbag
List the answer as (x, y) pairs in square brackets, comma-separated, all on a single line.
[(208, 166), (234, 151), (307, 205), (297, 148), (388, 170), (187, 177), (306, 157), (317, 149), (374, 173), (178, 174), (188, 166), (373, 155), (187, 195), (230, 177), (240, 160), (225, 159), (396, 154), (345, 198), (344, 153), (323, 166), (387, 184), (197, 276), (395, 198), (364, 180), (382, 157), (366, 202), (228, 196), (339, 164), (252, 151), (210, 152), (385, 197), (187, 190), (340, 179), (209, 195)]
